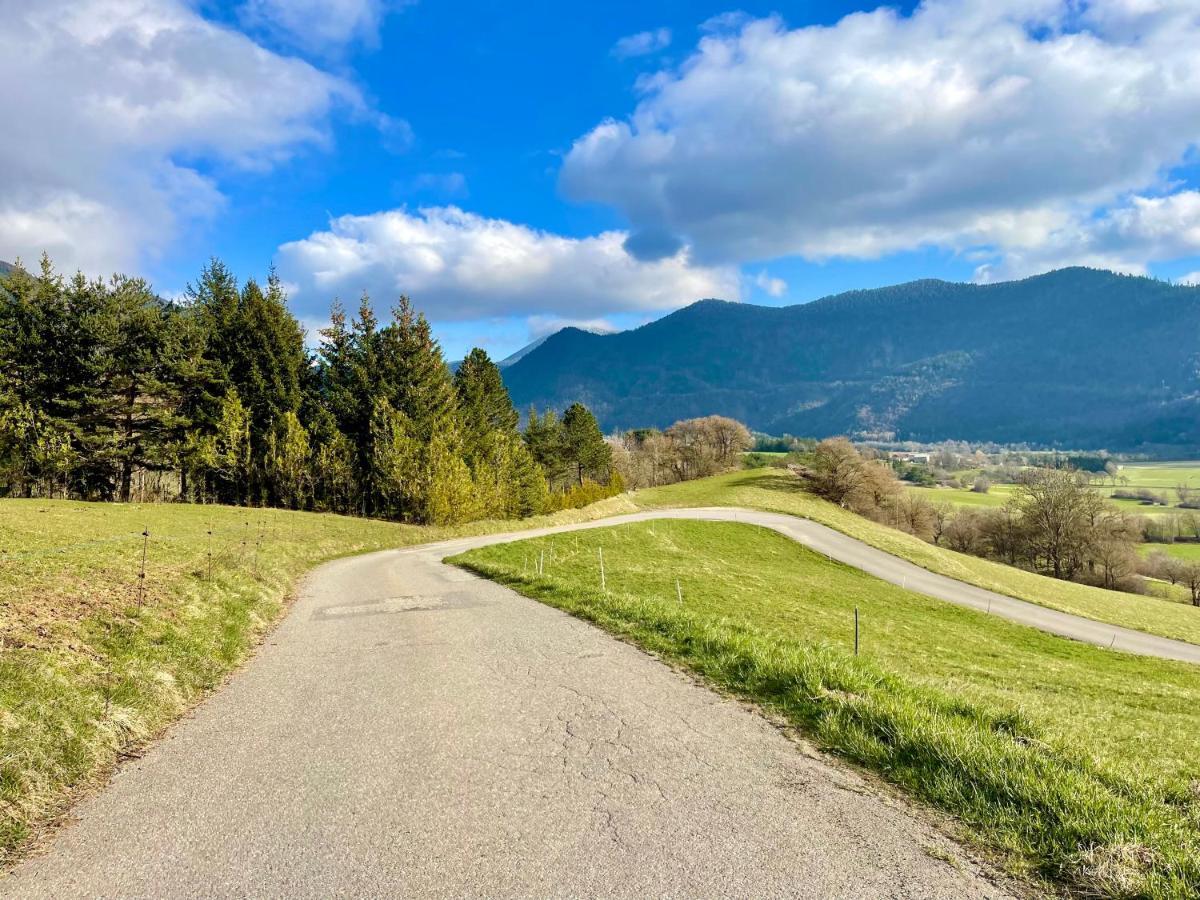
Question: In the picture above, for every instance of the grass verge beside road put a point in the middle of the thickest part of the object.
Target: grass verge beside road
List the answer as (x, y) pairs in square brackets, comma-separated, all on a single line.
[(88, 673), (775, 491), (1077, 764)]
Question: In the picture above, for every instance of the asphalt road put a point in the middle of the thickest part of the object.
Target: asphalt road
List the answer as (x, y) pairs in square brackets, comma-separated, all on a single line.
[(410, 730)]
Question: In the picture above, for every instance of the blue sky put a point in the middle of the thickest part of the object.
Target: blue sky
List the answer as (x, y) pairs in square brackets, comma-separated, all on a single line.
[(518, 167)]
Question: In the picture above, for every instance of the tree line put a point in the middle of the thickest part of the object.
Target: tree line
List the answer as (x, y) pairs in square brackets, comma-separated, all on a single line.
[(1054, 523), (692, 448), (111, 392)]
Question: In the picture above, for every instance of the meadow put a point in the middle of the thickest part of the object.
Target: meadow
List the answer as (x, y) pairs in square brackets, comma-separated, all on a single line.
[(1073, 763), (1161, 478), (96, 660), (776, 491)]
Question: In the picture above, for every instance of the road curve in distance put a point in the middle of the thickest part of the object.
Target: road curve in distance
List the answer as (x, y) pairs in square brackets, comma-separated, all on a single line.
[(887, 567)]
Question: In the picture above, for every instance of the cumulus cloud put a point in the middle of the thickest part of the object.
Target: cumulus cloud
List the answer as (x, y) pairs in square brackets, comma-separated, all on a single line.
[(642, 44), (770, 285), (119, 112), (1192, 278), (458, 266), (968, 124), (1125, 238), (320, 26), (540, 326)]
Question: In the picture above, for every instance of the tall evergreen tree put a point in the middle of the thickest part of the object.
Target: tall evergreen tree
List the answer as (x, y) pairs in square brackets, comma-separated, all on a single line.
[(587, 454), (414, 375), (484, 401), (546, 442), (131, 398)]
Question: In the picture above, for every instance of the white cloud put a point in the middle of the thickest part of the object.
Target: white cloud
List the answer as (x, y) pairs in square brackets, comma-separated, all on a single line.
[(969, 124), (459, 266), (768, 284), (1192, 278), (320, 26), (113, 106), (452, 184), (540, 326), (642, 44), (1126, 238)]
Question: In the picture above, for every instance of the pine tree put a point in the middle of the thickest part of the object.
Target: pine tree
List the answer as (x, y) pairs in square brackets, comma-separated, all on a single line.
[(396, 463), (131, 399), (586, 452), (222, 455), (414, 376), (484, 401), (288, 457), (547, 444), (449, 495)]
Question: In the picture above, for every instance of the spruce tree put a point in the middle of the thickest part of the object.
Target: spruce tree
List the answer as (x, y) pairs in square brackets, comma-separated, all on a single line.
[(484, 401), (415, 378), (546, 442), (586, 452), (396, 463), (132, 397)]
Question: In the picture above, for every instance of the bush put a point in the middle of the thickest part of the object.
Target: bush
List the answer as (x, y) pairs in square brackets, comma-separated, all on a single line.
[(589, 492)]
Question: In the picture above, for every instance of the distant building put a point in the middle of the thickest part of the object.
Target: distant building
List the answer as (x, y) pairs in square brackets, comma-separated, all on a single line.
[(906, 456)]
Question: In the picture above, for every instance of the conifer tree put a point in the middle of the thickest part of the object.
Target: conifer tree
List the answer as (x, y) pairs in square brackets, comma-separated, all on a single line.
[(484, 401), (414, 375), (396, 464), (288, 457), (586, 452), (131, 396), (449, 495), (546, 442)]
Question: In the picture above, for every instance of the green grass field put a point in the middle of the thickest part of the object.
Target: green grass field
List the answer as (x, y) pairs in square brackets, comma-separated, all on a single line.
[(1162, 476), (775, 491), (1076, 763), (87, 672), (1189, 552), (999, 494)]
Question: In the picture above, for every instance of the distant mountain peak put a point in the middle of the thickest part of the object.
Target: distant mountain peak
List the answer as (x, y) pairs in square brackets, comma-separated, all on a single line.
[(1077, 357)]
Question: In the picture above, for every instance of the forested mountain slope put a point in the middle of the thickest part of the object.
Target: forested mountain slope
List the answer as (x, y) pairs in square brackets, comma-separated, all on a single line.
[(1076, 357)]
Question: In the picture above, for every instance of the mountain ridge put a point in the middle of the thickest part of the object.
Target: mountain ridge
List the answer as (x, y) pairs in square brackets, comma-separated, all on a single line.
[(1075, 356)]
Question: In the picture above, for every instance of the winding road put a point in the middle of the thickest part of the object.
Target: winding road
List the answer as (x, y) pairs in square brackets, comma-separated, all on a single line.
[(412, 730)]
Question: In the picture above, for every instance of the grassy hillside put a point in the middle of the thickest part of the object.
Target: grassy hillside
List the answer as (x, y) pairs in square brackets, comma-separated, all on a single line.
[(776, 491), (1077, 764), (87, 671)]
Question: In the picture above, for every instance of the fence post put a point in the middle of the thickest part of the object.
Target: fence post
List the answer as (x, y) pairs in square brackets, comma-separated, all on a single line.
[(678, 591), (856, 631), (142, 572), (603, 586), (258, 545)]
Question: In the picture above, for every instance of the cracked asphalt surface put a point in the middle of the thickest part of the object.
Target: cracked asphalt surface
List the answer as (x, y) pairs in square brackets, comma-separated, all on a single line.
[(411, 730)]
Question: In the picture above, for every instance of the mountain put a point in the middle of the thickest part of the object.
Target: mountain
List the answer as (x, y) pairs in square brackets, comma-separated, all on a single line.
[(1076, 357), (523, 352), (5, 268)]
